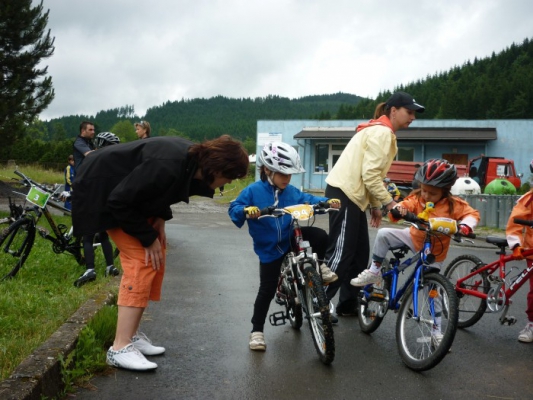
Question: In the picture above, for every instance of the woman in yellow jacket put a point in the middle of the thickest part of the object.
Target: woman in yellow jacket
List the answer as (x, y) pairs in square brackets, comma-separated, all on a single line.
[(519, 237), (357, 180)]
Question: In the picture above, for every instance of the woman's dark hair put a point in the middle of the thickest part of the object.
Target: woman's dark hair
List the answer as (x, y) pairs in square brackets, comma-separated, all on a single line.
[(224, 154), (381, 110)]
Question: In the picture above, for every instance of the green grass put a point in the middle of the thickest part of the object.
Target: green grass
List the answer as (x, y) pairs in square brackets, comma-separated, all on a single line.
[(41, 298), (36, 173)]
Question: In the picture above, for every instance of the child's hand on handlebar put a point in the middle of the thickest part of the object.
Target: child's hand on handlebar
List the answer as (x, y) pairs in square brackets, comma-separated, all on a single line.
[(465, 229), (252, 212), (517, 252), (334, 203)]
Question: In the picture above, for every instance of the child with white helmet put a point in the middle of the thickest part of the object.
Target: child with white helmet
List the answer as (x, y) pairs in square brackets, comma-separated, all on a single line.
[(272, 236)]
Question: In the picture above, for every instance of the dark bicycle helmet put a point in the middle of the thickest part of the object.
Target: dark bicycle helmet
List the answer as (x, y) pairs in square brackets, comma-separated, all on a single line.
[(437, 172), (104, 139), (280, 157)]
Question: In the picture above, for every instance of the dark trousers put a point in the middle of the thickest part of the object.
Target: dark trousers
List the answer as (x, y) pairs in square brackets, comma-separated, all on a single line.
[(88, 249), (269, 275), (348, 249)]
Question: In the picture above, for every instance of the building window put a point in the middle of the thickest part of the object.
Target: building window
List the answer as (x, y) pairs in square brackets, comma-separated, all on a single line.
[(406, 154), (321, 157)]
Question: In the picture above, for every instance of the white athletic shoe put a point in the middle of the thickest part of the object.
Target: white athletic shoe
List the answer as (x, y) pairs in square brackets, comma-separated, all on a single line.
[(328, 276), (257, 341), (366, 278), (526, 334), (145, 346), (129, 358)]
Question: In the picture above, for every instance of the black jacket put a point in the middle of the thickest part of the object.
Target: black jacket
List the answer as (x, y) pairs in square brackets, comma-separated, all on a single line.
[(124, 185)]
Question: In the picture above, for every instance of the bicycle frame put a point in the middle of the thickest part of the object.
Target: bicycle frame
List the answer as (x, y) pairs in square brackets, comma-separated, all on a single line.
[(505, 291), (416, 277)]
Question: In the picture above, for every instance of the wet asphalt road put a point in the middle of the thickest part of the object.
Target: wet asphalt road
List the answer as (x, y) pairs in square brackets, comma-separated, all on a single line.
[(204, 323)]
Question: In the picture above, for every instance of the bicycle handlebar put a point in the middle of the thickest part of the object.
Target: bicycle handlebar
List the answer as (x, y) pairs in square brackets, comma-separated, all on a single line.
[(271, 211), (415, 220), (525, 222)]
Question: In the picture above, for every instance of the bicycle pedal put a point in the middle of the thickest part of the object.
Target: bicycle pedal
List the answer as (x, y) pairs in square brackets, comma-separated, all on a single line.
[(377, 295), (277, 318), (509, 321)]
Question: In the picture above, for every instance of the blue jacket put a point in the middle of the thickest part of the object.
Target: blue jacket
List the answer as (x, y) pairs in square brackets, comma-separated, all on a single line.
[(271, 236)]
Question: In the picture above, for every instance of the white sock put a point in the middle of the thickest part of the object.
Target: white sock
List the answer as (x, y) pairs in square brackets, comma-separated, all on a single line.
[(374, 268)]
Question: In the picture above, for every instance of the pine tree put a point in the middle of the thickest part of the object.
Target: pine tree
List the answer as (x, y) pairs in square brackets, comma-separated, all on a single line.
[(25, 90)]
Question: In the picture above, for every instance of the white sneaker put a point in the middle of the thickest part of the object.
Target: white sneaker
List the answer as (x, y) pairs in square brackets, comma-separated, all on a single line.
[(328, 276), (526, 334), (257, 341), (129, 358), (145, 346), (366, 278)]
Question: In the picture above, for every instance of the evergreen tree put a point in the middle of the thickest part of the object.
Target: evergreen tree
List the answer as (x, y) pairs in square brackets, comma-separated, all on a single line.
[(25, 90)]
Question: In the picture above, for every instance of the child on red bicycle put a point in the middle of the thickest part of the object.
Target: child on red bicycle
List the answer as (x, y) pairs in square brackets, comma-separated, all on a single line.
[(519, 237), (436, 177), (272, 236)]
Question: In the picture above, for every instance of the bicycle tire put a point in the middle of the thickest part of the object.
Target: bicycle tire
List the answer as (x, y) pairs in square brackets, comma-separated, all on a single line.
[(16, 243), (417, 344), (319, 320), (371, 312), (471, 308), (293, 309)]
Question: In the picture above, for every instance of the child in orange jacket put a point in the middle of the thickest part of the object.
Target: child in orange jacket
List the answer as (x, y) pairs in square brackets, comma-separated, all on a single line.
[(518, 237), (436, 177)]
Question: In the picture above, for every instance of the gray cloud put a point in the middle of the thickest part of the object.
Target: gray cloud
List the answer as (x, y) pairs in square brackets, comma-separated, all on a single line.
[(112, 53)]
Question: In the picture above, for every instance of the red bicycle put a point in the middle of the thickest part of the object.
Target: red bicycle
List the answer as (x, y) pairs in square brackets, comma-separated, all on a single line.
[(480, 286)]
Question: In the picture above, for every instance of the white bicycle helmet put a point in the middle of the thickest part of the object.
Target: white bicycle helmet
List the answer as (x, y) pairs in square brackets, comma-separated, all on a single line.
[(280, 157), (104, 139)]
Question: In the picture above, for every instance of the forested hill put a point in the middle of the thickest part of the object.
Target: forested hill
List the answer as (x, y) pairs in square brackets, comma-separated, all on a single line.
[(495, 87), (209, 118)]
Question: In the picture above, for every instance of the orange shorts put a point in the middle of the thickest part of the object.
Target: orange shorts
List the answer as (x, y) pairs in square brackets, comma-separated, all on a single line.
[(140, 282)]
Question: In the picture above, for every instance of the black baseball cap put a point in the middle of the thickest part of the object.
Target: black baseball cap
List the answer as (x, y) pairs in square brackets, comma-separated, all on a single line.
[(402, 99)]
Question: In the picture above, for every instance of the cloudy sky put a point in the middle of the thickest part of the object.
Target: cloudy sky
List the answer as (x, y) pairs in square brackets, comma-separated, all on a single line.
[(109, 53)]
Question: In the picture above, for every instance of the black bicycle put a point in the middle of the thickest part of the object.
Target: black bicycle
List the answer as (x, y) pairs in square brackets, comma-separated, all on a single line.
[(300, 287), (17, 239)]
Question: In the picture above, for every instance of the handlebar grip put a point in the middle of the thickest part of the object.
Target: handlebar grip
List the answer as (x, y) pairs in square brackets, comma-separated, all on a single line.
[(410, 217), (525, 222), (471, 235)]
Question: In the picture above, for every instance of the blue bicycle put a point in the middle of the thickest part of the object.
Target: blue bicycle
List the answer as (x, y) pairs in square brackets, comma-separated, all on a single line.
[(425, 302)]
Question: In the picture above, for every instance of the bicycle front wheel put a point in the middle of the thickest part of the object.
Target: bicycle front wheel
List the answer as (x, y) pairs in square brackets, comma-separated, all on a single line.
[(471, 308), (424, 334), (317, 308), (16, 242)]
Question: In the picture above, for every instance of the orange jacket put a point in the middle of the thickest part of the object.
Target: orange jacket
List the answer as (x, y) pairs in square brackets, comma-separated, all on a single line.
[(519, 234), (462, 213)]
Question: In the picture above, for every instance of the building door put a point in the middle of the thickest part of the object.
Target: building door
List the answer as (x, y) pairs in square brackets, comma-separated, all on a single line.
[(458, 159)]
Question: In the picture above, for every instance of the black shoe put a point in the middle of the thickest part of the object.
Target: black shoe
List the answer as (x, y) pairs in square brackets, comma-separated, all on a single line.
[(334, 320), (111, 271), (88, 276), (347, 308)]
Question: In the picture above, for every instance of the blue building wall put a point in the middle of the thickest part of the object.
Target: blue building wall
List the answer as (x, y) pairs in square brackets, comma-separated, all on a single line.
[(514, 141)]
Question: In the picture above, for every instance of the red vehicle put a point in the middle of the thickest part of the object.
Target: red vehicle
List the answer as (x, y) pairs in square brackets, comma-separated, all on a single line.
[(482, 169)]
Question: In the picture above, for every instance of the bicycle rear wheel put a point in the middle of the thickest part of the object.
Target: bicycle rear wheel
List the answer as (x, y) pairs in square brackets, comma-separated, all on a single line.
[(317, 308), (16, 242), (373, 303), (471, 308), (422, 345)]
